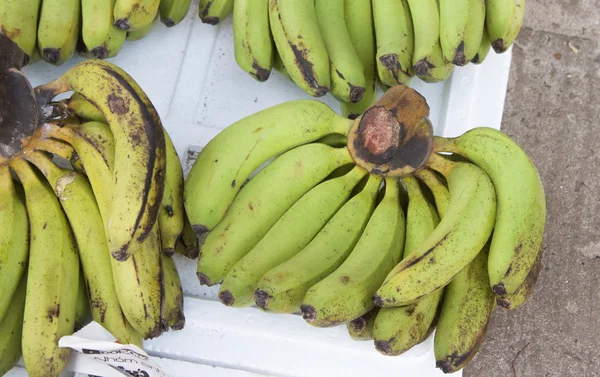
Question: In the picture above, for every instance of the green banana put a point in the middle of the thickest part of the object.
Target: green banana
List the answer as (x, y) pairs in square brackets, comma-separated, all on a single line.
[(14, 238), (139, 147), (11, 329), (212, 12), (454, 243), (52, 280), (142, 32), (101, 38), (130, 15), (521, 214), (429, 63), (172, 12), (361, 328), (171, 216), (438, 188), (503, 21), (82, 305), (58, 29), (300, 44), (79, 106), (229, 158), (359, 22), (173, 301), (347, 293), (520, 296), (484, 48), (468, 305), (395, 41), (396, 330), (140, 297), (19, 22), (79, 203), (346, 70), (461, 28), (282, 289), (261, 203), (252, 41), (290, 234)]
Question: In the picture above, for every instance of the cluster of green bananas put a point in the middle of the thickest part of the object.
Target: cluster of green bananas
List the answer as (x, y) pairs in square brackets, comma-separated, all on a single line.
[(374, 223), (345, 46), (90, 219), (55, 29)]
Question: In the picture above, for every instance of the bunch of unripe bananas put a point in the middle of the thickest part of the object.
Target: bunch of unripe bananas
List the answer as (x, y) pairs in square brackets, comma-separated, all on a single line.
[(91, 210), (344, 46), (374, 223), (55, 29)]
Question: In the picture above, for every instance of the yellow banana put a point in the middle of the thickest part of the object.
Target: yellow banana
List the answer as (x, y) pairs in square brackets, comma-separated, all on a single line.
[(58, 29), (134, 14), (173, 301), (101, 38), (171, 216)]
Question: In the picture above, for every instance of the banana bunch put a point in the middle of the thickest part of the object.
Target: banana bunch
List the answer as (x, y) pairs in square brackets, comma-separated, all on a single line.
[(373, 223), (92, 212), (55, 29), (346, 46)]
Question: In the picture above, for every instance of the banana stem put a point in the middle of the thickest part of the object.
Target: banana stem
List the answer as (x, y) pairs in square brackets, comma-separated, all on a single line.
[(443, 144), (440, 164), (342, 125)]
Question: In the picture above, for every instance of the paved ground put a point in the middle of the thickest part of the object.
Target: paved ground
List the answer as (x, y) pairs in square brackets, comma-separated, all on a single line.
[(553, 111)]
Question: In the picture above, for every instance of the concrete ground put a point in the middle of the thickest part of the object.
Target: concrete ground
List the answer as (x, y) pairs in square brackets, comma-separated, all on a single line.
[(553, 111)]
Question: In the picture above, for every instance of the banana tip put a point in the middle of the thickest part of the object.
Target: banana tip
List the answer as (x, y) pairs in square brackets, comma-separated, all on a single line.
[(204, 280), (499, 46), (359, 324), (422, 68), (180, 323), (499, 289), (122, 24), (383, 347), (308, 313), (356, 93), (503, 302), (210, 20), (51, 55), (168, 22), (226, 298), (261, 298), (100, 52), (378, 301)]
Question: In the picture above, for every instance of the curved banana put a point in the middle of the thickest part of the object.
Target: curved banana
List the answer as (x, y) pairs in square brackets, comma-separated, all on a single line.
[(228, 159), (173, 301), (282, 289), (468, 305), (52, 277), (131, 15), (520, 296), (300, 44), (212, 12), (252, 40), (395, 41), (290, 234), (361, 328), (172, 12), (396, 330), (454, 243), (461, 28), (261, 203), (521, 214), (101, 38), (503, 21), (171, 216), (19, 22), (79, 203), (14, 238), (11, 329), (58, 29), (359, 22), (438, 188), (142, 32), (139, 147), (429, 63), (484, 48), (346, 69), (79, 106), (347, 293)]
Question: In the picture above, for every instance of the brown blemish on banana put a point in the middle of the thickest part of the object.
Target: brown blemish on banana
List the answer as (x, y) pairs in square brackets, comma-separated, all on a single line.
[(393, 137), (204, 280), (100, 52), (422, 67), (391, 63), (261, 73), (416, 260), (261, 298), (226, 298), (344, 279), (53, 312)]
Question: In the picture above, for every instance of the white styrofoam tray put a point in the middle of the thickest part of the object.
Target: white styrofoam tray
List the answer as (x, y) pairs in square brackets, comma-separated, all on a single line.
[(190, 75)]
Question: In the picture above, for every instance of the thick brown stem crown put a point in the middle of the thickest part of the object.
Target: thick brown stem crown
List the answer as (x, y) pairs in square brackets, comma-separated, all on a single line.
[(394, 137)]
